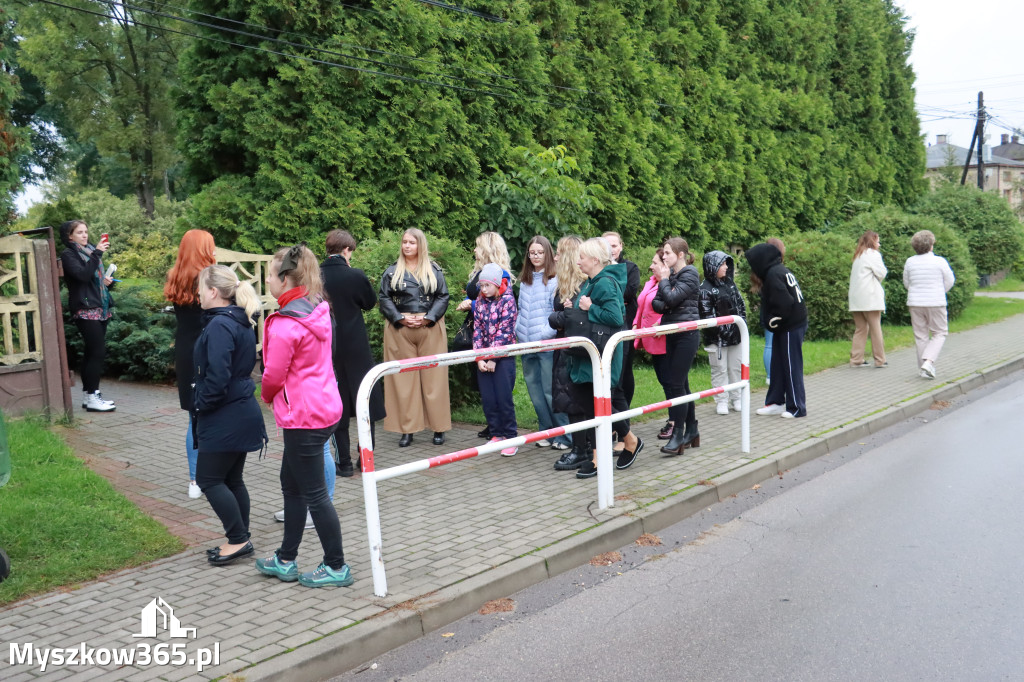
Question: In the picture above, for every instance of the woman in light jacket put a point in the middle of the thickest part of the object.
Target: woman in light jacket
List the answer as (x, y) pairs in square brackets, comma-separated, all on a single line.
[(927, 278), (538, 284), (867, 300), (298, 379)]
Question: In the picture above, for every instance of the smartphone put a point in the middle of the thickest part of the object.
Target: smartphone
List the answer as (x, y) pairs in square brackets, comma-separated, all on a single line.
[(104, 237)]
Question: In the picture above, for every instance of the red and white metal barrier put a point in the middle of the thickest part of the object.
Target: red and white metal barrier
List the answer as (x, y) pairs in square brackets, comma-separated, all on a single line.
[(603, 417), (603, 395), (370, 474)]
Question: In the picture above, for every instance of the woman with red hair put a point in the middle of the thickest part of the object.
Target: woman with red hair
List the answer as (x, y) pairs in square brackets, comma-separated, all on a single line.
[(195, 252)]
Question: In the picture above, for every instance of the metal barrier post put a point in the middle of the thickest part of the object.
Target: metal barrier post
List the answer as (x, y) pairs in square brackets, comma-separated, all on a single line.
[(605, 485), (370, 474)]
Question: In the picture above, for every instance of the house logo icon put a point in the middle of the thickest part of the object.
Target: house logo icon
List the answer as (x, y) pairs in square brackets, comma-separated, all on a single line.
[(158, 614)]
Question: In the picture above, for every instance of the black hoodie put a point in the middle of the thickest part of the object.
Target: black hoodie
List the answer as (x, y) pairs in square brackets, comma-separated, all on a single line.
[(782, 302)]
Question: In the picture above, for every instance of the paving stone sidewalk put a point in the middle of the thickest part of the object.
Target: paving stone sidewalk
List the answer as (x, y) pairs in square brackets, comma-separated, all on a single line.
[(440, 526)]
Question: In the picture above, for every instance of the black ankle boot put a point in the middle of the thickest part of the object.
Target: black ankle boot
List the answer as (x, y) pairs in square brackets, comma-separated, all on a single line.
[(345, 469), (691, 439), (675, 444)]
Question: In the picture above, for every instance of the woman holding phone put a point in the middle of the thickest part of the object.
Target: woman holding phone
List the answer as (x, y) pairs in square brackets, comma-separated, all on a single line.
[(90, 304)]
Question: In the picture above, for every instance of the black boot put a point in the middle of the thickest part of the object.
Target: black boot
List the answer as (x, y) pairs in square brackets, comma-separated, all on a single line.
[(682, 439), (344, 468), (572, 459)]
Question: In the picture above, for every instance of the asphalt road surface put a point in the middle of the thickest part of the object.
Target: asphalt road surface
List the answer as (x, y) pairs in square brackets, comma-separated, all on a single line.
[(895, 559)]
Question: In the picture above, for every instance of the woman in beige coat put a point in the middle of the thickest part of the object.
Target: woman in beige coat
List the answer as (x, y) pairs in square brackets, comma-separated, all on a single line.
[(867, 300)]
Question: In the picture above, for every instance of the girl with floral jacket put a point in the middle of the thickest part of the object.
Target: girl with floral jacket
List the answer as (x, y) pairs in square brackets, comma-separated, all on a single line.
[(494, 324)]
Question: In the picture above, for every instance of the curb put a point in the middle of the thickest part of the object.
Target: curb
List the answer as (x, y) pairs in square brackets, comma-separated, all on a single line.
[(346, 649)]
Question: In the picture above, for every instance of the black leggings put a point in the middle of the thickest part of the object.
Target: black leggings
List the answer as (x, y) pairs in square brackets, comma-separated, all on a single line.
[(94, 333), (680, 352), (583, 409), (304, 487), (219, 476)]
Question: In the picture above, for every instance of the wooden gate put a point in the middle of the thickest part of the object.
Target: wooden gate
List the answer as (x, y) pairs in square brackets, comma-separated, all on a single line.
[(33, 365), (251, 268)]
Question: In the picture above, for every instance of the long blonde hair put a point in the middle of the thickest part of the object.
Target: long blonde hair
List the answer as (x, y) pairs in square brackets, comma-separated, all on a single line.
[(493, 250), (570, 277), (424, 272), (229, 287), (306, 272)]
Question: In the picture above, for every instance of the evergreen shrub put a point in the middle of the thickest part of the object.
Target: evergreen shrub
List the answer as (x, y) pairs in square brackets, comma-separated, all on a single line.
[(984, 220)]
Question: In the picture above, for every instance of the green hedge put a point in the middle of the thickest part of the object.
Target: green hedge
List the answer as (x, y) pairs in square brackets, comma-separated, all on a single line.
[(985, 220), (895, 228)]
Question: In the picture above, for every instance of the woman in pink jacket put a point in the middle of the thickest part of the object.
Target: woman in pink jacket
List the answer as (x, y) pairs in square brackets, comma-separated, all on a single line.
[(298, 378), (655, 345)]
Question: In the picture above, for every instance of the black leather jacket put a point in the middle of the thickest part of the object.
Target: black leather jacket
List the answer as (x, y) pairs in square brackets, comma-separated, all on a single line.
[(720, 297), (411, 298), (676, 299)]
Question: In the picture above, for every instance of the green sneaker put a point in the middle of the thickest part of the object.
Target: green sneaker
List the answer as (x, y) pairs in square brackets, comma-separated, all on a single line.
[(325, 576), (286, 571)]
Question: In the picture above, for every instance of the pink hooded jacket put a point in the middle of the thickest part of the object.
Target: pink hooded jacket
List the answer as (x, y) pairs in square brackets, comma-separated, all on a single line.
[(298, 376), (646, 317)]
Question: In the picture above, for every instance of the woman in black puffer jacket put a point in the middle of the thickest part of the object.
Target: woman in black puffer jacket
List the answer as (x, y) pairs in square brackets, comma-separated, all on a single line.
[(676, 300)]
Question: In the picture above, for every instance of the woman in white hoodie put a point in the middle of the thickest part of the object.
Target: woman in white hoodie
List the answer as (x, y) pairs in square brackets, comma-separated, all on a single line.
[(927, 278), (867, 300)]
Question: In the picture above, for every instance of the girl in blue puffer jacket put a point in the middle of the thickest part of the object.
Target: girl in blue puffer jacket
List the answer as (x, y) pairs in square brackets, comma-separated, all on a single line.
[(537, 286)]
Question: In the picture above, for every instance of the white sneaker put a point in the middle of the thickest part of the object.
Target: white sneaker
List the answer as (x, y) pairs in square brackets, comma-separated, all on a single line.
[(509, 452), (722, 408), (95, 403), (788, 415), (928, 369), (771, 409), (545, 443), (193, 491), (559, 446), (279, 516), (737, 406)]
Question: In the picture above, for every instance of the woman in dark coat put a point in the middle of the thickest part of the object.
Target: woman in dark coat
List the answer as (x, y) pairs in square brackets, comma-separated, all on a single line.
[(91, 306), (349, 293), (227, 418), (195, 252)]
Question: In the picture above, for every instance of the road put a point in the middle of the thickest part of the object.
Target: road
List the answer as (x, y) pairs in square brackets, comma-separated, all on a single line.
[(895, 559)]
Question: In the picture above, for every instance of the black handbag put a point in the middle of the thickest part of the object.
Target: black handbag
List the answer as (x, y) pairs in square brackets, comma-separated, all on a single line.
[(463, 339), (577, 323)]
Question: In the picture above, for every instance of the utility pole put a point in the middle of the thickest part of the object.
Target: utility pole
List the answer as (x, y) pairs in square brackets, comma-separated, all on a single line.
[(979, 137), (981, 140)]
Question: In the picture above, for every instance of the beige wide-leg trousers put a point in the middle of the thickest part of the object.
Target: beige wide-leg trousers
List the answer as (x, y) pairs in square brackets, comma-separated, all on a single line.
[(419, 399)]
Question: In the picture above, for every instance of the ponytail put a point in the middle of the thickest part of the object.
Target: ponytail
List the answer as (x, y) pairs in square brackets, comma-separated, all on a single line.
[(229, 287)]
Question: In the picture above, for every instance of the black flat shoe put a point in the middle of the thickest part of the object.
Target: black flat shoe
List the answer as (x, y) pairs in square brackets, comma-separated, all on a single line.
[(345, 469), (223, 560), (405, 441), (485, 433), (438, 437), (213, 551), (626, 458)]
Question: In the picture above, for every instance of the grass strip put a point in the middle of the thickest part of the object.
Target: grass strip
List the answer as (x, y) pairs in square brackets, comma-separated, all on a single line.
[(62, 524)]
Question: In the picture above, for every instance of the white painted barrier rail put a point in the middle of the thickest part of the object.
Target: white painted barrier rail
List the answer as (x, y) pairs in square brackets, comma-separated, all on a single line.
[(603, 417)]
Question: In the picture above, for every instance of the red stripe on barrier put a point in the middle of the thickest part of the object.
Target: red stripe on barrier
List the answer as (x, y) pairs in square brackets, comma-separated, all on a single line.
[(745, 372), (544, 435), (366, 459), (725, 319), (452, 457), (409, 361), (711, 391), (654, 407), (602, 406), (418, 367)]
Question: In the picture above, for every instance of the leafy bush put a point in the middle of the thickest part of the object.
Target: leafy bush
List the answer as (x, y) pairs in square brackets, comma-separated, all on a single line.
[(895, 228), (139, 336), (373, 256), (983, 219)]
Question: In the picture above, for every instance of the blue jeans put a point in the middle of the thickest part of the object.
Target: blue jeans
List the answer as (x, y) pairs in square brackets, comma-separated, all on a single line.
[(537, 375), (768, 353), (329, 472), (191, 451)]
